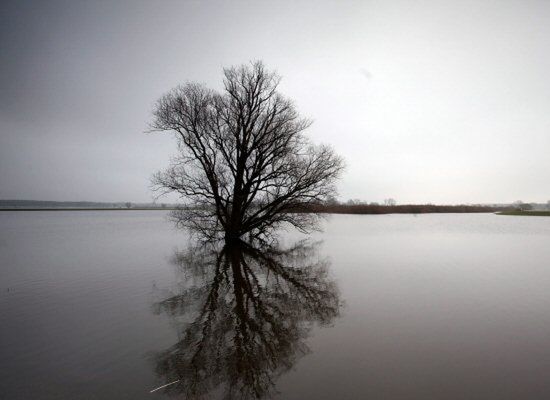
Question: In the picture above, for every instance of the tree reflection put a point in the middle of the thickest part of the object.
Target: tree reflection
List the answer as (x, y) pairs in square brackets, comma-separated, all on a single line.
[(242, 315)]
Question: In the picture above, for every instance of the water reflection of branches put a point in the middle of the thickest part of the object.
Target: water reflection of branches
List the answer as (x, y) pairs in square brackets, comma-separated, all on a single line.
[(244, 318)]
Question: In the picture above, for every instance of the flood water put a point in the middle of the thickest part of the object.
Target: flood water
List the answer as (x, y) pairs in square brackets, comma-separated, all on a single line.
[(113, 304)]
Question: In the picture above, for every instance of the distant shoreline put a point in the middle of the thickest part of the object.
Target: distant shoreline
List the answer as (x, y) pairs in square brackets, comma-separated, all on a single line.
[(339, 209), (91, 209), (400, 209)]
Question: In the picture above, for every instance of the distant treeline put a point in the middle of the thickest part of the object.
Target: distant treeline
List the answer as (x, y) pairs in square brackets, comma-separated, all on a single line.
[(54, 204), (400, 209)]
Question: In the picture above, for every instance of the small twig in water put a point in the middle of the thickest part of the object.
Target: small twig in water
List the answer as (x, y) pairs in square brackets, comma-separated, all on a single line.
[(163, 386)]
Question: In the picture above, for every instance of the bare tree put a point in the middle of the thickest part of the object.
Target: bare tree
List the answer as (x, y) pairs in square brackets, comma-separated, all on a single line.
[(521, 206), (128, 204), (355, 202), (244, 163), (390, 202)]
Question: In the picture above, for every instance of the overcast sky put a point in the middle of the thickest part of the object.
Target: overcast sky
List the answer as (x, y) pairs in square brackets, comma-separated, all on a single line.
[(427, 101)]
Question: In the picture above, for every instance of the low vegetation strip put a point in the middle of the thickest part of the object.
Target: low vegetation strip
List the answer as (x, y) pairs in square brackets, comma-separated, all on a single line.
[(401, 209), (527, 213)]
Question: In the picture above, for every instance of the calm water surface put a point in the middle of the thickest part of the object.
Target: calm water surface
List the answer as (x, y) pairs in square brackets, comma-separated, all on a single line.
[(101, 305)]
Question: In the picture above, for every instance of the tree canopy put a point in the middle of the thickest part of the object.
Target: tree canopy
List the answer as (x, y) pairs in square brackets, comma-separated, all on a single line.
[(244, 165)]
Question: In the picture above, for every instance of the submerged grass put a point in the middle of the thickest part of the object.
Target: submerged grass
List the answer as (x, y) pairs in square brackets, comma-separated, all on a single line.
[(528, 213)]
